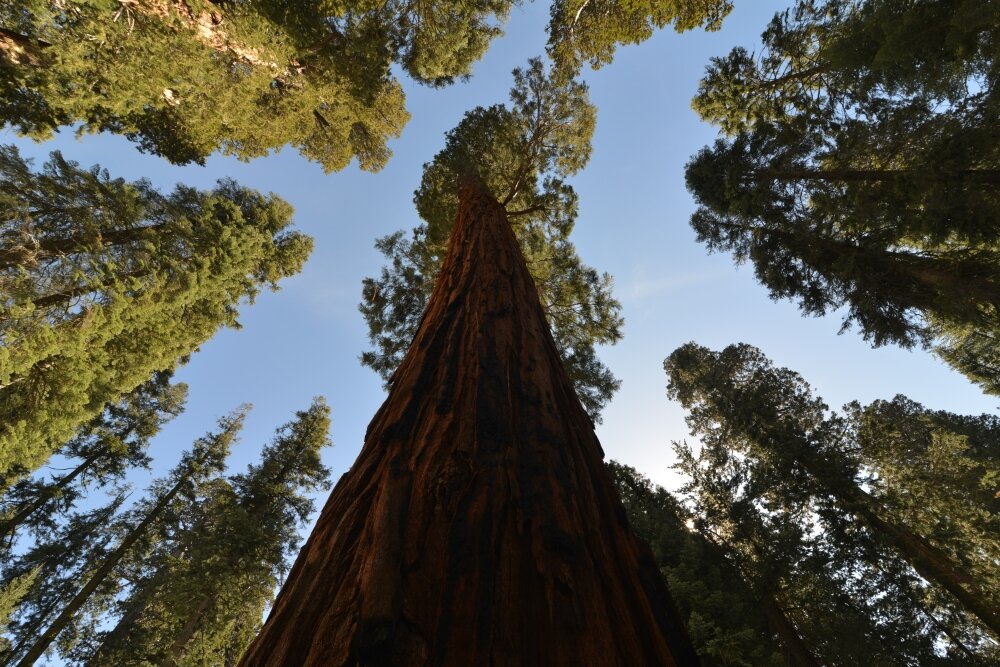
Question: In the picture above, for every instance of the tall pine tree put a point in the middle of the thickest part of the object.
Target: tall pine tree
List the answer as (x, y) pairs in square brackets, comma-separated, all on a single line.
[(860, 169), (739, 401), (181, 486), (105, 282), (202, 594)]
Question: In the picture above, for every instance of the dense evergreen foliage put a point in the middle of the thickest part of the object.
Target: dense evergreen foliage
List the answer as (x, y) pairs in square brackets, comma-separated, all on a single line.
[(724, 615), (891, 478), (105, 282), (261, 75), (99, 455), (183, 575), (522, 153), (860, 169), (202, 592), (857, 170), (589, 31), (93, 582)]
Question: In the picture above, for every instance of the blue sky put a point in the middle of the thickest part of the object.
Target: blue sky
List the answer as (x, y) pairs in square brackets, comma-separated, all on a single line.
[(305, 340)]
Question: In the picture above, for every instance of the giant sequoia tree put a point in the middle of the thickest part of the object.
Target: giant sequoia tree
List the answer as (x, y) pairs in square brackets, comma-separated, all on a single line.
[(104, 282), (478, 525), (522, 152), (861, 166)]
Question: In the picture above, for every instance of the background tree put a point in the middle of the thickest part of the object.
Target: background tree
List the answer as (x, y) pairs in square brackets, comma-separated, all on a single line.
[(100, 455), (201, 595), (521, 153), (938, 473), (94, 584), (57, 560), (106, 282), (723, 615), (257, 75), (739, 401), (590, 31), (860, 168), (831, 593)]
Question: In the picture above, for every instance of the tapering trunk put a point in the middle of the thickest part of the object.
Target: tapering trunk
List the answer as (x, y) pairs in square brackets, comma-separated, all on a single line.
[(794, 649), (478, 525), (179, 647), (930, 562), (46, 638), (8, 526)]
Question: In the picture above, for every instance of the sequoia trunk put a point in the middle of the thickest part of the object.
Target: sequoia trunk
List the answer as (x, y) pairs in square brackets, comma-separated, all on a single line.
[(478, 525)]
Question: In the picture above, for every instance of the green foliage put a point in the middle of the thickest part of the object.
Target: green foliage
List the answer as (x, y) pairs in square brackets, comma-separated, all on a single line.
[(100, 455), (860, 166), (256, 75), (522, 153), (12, 594), (106, 282), (723, 615), (938, 473), (63, 555), (198, 595), (591, 30), (80, 557), (259, 75), (833, 498), (973, 351)]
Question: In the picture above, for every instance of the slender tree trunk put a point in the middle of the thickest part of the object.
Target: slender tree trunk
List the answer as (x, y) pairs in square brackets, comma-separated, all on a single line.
[(796, 652), (929, 562), (179, 646), (119, 634), (10, 525), (96, 579), (478, 525)]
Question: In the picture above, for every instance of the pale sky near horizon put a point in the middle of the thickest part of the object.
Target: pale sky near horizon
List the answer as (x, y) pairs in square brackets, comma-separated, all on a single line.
[(305, 340)]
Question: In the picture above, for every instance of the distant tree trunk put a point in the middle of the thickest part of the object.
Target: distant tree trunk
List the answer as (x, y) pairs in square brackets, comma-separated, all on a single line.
[(97, 578), (930, 562), (478, 525), (179, 647), (796, 652), (8, 526)]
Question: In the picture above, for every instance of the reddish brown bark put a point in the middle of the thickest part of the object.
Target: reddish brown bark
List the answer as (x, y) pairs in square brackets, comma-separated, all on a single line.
[(478, 525)]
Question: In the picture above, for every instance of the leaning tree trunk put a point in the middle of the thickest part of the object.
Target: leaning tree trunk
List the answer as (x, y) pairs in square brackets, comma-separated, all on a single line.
[(478, 525)]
